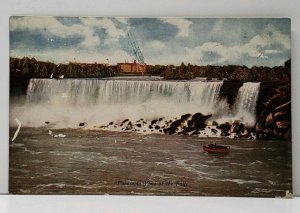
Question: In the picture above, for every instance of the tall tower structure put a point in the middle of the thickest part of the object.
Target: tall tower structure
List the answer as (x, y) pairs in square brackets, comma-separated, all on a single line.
[(135, 49)]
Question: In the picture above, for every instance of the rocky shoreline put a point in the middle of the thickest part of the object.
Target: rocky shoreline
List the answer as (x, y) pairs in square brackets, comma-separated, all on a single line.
[(273, 118)]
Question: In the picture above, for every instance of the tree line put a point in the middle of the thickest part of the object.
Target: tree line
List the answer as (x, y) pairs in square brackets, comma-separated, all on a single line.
[(31, 68), (230, 72)]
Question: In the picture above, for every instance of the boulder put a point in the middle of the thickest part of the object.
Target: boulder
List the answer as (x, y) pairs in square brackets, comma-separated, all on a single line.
[(153, 122), (283, 124), (259, 127), (214, 123), (281, 115), (269, 120), (245, 133), (82, 124), (241, 127), (224, 127), (196, 122), (173, 127), (234, 126), (123, 122), (185, 117)]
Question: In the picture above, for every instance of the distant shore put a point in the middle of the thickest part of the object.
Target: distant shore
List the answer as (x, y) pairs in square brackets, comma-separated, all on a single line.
[(26, 68)]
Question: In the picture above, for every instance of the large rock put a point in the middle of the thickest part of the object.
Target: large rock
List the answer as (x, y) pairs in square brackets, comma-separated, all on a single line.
[(177, 123), (283, 124), (234, 126), (188, 123), (281, 115), (225, 127), (259, 127), (269, 120)]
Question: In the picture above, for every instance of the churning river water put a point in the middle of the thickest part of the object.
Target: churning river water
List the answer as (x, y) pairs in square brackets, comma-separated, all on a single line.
[(104, 162)]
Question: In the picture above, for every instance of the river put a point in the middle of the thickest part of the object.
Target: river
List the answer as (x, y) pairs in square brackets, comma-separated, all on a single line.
[(105, 162)]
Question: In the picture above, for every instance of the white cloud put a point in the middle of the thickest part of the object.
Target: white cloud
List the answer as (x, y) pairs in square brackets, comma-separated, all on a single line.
[(183, 25), (45, 25), (270, 36), (272, 51), (50, 26), (257, 47), (174, 51), (106, 24), (157, 45)]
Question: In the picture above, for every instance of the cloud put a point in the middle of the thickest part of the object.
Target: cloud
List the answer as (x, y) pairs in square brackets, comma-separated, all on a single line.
[(149, 29), (50, 26), (257, 47), (162, 40), (272, 51), (183, 25), (104, 23), (44, 25), (85, 27), (270, 35)]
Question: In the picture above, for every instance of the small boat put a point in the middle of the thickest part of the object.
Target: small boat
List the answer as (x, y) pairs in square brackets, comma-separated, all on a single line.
[(218, 149)]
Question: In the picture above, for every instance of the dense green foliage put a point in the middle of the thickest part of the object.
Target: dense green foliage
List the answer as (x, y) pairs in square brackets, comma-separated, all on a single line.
[(231, 72), (31, 68)]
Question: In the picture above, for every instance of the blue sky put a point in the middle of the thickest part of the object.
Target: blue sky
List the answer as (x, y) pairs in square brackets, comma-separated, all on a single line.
[(259, 42)]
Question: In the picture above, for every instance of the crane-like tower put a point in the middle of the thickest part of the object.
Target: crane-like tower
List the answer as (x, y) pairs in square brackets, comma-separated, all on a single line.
[(135, 49)]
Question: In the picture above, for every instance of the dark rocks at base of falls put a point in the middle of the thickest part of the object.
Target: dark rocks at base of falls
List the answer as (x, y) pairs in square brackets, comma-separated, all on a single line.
[(237, 129), (188, 124), (274, 117), (273, 109)]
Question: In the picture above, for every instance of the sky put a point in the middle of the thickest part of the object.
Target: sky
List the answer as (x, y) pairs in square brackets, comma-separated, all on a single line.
[(213, 41)]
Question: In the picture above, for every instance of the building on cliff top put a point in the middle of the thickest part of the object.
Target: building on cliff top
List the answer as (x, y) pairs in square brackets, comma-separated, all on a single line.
[(131, 67)]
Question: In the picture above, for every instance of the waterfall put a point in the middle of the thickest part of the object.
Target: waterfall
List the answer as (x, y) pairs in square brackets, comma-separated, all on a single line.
[(97, 92), (67, 101), (245, 105)]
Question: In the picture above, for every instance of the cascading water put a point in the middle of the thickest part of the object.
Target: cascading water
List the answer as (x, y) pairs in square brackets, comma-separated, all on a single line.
[(69, 101), (97, 92), (245, 105)]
